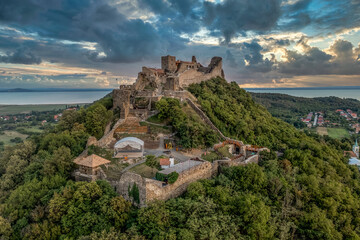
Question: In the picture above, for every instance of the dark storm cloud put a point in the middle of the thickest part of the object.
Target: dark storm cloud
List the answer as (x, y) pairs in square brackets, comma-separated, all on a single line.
[(121, 40), (180, 16), (297, 15), (238, 16), (323, 16), (20, 55), (230, 59)]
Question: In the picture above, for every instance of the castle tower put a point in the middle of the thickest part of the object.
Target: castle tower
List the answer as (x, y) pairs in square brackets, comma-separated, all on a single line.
[(193, 59), (356, 148), (168, 63)]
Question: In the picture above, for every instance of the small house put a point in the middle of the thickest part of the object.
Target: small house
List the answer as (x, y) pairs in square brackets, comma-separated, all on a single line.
[(89, 167), (167, 162)]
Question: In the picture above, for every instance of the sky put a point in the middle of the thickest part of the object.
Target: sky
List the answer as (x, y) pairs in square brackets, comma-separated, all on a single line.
[(104, 43)]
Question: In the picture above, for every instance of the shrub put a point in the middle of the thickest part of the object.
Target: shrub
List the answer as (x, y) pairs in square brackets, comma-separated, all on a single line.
[(160, 177), (172, 177)]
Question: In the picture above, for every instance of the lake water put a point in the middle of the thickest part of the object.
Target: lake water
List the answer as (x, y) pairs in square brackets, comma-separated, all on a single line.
[(68, 97), (310, 93), (71, 97)]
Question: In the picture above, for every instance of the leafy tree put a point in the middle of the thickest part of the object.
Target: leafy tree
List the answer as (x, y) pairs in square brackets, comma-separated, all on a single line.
[(96, 120), (152, 162), (134, 193), (60, 162), (5, 228), (82, 208)]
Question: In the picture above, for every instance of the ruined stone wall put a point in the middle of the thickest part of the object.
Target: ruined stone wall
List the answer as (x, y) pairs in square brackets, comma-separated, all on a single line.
[(121, 99), (253, 159), (197, 76), (108, 138), (127, 180), (184, 66), (150, 189), (172, 83), (155, 190), (176, 94), (142, 114)]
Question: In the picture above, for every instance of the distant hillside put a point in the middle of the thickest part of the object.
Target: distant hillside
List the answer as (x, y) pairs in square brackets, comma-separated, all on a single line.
[(291, 109)]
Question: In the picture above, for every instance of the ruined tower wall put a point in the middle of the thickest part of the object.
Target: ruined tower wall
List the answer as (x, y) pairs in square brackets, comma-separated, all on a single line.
[(196, 76), (121, 99), (168, 63)]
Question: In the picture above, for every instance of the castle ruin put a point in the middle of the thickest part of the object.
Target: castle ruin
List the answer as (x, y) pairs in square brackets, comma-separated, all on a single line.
[(170, 81)]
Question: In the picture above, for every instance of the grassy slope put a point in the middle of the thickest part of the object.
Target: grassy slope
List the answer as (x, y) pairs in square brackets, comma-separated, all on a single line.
[(8, 135)]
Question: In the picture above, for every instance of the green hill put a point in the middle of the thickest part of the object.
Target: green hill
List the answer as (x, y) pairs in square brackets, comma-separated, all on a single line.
[(310, 192), (291, 109)]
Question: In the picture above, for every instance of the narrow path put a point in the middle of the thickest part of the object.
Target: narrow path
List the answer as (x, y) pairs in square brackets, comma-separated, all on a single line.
[(157, 124), (205, 117), (207, 120), (133, 165)]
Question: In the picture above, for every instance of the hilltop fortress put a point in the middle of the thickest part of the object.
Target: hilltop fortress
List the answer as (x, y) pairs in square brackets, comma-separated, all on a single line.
[(170, 81), (131, 142)]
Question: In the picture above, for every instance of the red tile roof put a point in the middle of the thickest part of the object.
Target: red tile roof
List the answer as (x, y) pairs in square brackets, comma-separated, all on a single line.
[(351, 153), (164, 161), (92, 161)]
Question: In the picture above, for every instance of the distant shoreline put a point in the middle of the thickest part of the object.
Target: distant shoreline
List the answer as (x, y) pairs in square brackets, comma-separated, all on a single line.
[(309, 88)]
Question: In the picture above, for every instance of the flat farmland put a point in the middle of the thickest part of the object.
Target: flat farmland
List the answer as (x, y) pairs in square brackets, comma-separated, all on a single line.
[(338, 133)]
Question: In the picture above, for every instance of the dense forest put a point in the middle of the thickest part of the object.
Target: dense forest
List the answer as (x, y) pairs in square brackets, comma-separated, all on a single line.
[(291, 109), (309, 192)]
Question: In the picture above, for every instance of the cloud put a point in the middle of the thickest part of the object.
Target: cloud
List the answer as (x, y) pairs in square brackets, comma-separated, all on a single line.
[(317, 62), (231, 17), (117, 38), (20, 55)]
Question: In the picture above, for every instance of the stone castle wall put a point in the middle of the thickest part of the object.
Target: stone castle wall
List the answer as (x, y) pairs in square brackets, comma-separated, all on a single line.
[(193, 76), (150, 189), (126, 182), (155, 190)]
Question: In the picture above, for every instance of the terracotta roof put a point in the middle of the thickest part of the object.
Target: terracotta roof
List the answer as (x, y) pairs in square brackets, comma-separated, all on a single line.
[(92, 161), (351, 153), (164, 161)]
